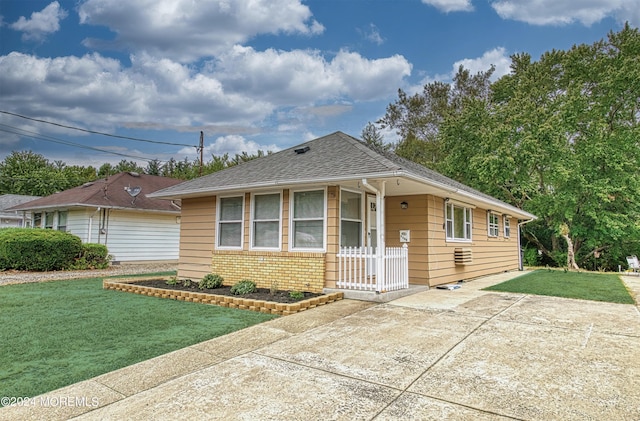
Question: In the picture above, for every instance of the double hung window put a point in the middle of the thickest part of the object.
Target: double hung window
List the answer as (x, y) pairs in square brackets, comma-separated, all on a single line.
[(457, 222), (307, 221), (230, 211), (507, 226), (492, 220), (350, 219), (266, 221)]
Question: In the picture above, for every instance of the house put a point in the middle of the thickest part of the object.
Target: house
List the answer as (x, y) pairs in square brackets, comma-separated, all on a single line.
[(10, 218), (117, 212), (335, 213)]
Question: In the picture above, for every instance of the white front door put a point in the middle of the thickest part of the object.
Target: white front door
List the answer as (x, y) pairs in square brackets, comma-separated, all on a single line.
[(372, 232)]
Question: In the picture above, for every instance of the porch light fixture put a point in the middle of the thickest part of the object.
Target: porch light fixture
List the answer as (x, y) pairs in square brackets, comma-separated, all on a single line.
[(404, 205)]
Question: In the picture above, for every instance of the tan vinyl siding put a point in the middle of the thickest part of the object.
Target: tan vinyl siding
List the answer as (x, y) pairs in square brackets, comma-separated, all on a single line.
[(333, 237), (197, 237), (490, 255), (414, 218)]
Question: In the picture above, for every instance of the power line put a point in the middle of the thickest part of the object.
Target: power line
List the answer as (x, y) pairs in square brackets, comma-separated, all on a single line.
[(47, 138), (95, 132)]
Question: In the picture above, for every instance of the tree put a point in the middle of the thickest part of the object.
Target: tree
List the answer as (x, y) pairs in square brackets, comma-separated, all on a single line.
[(560, 138), (28, 173), (417, 119), (372, 137)]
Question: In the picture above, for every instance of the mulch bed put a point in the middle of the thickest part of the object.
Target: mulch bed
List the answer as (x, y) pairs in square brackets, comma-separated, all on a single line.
[(263, 294)]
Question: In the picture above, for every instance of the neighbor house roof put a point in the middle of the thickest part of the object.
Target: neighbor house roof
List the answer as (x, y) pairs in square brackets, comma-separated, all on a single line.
[(10, 200), (116, 191), (329, 159)]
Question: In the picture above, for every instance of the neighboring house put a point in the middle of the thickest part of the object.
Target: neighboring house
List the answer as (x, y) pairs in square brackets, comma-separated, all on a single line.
[(117, 212), (303, 218), (11, 218)]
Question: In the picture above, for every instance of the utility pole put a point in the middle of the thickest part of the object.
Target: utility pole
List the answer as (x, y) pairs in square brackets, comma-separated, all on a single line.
[(201, 149)]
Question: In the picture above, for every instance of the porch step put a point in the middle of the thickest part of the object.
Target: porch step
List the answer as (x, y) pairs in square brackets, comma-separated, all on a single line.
[(383, 297)]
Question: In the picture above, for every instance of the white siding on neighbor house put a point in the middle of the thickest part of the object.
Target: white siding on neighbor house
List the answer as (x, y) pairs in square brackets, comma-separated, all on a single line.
[(136, 236), (78, 223)]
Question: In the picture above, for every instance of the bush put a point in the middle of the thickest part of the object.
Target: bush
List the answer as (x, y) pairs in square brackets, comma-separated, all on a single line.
[(211, 281), (245, 286), (186, 283), (296, 295), (92, 256), (38, 249), (531, 257)]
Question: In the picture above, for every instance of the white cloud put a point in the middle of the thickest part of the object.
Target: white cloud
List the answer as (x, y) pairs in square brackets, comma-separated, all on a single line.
[(232, 144), (185, 30), (100, 92), (564, 12), (450, 5), (41, 23), (497, 57), (304, 77), (372, 34)]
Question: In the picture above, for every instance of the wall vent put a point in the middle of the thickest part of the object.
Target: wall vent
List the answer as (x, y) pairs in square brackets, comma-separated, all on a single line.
[(462, 256)]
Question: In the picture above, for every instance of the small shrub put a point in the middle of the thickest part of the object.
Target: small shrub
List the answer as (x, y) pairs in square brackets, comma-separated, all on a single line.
[(92, 256), (296, 295), (187, 283), (211, 281), (274, 288), (245, 286), (172, 281), (531, 257)]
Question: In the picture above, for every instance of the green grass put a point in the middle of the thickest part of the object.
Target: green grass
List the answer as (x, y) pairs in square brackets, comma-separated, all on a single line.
[(59, 333), (580, 285)]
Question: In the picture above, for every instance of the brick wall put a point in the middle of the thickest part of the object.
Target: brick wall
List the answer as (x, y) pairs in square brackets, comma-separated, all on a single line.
[(291, 270)]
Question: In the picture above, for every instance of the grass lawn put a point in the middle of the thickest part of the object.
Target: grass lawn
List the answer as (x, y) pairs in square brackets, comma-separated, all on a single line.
[(59, 333), (584, 286)]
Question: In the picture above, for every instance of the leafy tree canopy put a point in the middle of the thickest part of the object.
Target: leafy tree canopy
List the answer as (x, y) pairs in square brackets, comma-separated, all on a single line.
[(558, 137)]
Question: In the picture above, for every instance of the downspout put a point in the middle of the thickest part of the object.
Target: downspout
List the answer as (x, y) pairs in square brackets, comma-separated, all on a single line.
[(520, 224), (91, 224), (380, 202)]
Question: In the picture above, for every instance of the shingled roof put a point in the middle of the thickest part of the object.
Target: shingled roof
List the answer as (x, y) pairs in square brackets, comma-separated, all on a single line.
[(111, 192), (329, 159)]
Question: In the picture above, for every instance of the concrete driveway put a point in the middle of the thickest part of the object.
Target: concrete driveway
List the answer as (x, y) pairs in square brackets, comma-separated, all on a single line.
[(462, 355)]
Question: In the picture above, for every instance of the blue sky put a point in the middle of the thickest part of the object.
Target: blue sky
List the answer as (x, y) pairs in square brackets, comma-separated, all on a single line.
[(260, 74)]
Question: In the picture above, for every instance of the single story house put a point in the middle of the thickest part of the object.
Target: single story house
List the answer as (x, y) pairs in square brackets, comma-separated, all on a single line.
[(11, 218), (117, 212), (336, 213)]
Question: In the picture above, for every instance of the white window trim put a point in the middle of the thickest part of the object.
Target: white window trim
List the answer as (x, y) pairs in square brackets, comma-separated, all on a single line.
[(506, 223), (218, 211), (252, 220), (493, 230), (469, 222), (324, 222), (361, 220)]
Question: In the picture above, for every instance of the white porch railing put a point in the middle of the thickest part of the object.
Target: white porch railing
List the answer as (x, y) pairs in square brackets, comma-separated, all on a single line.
[(358, 267)]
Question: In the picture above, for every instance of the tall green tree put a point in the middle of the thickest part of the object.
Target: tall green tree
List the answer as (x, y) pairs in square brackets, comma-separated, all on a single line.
[(560, 138), (372, 136), (417, 118)]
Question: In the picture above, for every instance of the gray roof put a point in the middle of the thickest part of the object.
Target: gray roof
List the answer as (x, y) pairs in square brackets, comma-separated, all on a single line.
[(10, 200), (329, 159)]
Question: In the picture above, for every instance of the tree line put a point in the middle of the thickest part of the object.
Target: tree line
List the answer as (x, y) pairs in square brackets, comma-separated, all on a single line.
[(29, 173)]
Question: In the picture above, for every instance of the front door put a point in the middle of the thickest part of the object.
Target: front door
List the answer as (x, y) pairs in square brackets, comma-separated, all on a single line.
[(372, 232)]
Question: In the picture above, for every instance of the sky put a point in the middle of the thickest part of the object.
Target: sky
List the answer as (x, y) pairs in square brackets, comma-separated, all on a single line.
[(250, 74)]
